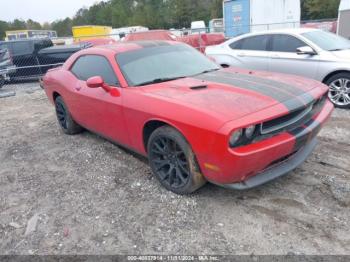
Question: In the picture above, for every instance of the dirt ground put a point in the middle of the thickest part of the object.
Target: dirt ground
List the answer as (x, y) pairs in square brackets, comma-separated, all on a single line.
[(84, 195)]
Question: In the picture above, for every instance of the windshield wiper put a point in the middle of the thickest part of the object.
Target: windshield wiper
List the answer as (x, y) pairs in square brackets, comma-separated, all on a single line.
[(160, 80)]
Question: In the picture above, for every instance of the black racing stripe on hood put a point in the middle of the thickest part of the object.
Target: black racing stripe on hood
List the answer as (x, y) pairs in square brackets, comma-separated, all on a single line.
[(289, 100), (307, 98), (301, 137), (291, 89)]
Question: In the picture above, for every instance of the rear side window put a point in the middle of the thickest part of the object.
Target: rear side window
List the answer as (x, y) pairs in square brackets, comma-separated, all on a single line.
[(22, 48), (254, 43), (94, 65), (286, 43)]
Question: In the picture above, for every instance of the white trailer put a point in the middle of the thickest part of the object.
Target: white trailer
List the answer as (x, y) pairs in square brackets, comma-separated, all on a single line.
[(244, 16), (344, 19)]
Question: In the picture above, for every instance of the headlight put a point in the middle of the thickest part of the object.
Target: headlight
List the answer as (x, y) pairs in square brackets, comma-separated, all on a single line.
[(249, 132), (235, 137)]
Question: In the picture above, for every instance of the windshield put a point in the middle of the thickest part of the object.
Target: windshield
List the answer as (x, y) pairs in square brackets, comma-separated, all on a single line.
[(162, 63), (327, 41)]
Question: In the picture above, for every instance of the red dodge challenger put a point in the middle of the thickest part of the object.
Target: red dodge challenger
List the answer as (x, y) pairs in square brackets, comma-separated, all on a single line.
[(195, 121)]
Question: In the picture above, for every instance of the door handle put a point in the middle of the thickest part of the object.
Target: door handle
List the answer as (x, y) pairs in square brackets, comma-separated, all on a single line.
[(241, 54), (275, 56)]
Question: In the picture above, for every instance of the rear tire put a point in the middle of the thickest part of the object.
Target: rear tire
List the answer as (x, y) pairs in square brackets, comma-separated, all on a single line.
[(173, 161), (65, 120), (339, 90)]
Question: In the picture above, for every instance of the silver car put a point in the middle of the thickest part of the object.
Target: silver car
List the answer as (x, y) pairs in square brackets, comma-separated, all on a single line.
[(305, 52)]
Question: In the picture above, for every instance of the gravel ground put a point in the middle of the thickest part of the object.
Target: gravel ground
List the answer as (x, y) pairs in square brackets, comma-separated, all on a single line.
[(84, 195)]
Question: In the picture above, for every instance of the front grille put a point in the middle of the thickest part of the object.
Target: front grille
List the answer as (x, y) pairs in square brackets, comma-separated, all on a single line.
[(285, 121), (292, 120)]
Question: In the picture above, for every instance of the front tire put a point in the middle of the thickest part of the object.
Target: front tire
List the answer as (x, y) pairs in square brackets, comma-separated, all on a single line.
[(65, 120), (339, 90), (173, 161)]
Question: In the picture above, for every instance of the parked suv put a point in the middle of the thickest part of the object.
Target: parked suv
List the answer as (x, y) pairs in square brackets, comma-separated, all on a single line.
[(6, 66)]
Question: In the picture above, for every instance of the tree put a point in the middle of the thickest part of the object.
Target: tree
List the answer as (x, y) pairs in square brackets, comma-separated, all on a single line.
[(63, 27), (3, 28), (17, 24), (30, 24), (121, 12), (81, 17), (46, 26), (216, 9), (320, 9)]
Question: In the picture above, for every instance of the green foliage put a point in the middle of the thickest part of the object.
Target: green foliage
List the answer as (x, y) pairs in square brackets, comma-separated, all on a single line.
[(30, 24), (63, 27), (321, 9), (216, 9), (156, 14), (3, 28)]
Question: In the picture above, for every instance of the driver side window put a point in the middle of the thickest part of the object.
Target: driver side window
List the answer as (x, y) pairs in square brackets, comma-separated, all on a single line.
[(94, 65)]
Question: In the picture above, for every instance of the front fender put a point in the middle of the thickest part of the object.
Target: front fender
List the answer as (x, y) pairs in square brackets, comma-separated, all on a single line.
[(330, 69)]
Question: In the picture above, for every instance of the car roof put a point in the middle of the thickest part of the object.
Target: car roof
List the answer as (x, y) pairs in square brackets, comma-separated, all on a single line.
[(122, 47), (295, 31)]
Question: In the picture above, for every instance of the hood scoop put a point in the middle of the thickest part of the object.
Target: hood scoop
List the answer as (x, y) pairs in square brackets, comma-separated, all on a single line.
[(200, 87)]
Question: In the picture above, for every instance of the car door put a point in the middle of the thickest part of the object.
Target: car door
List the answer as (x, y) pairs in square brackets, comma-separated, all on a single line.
[(251, 52), (94, 108), (285, 59)]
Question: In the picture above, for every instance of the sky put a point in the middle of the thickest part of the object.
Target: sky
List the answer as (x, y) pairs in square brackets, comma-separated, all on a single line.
[(41, 10)]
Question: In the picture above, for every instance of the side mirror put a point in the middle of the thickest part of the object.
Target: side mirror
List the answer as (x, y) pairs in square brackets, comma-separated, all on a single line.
[(95, 82), (306, 50)]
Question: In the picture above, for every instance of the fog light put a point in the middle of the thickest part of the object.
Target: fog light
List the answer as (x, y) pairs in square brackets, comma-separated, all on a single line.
[(235, 137)]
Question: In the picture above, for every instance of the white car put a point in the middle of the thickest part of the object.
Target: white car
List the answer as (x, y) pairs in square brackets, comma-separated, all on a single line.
[(306, 52)]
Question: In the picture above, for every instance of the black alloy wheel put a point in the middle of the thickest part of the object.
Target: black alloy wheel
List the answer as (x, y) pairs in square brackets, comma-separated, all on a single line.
[(65, 120), (61, 115), (173, 162), (170, 162)]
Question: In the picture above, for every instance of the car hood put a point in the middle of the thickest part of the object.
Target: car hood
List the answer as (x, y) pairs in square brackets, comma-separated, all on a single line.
[(343, 54), (230, 95)]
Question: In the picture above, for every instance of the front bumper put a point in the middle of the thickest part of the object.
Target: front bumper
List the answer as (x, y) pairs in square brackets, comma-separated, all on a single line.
[(255, 164), (276, 171)]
